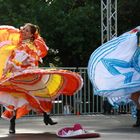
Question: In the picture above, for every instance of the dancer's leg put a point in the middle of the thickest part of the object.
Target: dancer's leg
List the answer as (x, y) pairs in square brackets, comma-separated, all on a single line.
[(135, 97), (12, 125), (47, 120)]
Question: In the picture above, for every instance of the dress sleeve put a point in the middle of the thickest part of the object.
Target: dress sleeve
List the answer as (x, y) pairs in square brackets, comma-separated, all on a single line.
[(41, 46)]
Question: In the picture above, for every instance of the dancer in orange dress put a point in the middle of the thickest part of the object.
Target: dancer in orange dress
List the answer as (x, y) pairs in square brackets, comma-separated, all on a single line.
[(23, 85)]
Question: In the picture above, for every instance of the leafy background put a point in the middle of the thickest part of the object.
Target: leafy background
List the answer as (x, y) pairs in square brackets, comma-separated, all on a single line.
[(71, 28)]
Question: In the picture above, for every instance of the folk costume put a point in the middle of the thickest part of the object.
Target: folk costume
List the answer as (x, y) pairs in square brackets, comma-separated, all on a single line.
[(26, 87)]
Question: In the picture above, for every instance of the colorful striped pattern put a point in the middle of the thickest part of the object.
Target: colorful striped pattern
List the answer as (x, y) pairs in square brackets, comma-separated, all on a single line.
[(31, 88)]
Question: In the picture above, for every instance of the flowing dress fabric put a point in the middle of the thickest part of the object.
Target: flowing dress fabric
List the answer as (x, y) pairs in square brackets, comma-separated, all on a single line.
[(26, 86), (114, 68)]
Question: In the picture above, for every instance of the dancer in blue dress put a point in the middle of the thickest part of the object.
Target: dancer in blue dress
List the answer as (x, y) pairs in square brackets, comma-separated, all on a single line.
[(114, 70)]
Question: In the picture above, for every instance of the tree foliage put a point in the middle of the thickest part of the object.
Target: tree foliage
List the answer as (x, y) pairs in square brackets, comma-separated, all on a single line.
[(71, 28), (74, 30), (128, 15)]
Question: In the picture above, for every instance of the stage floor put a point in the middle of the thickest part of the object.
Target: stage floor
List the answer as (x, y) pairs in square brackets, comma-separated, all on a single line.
[(110, 127)]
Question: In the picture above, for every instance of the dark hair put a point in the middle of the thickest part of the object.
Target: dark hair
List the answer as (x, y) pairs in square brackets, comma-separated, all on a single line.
[(34, 29)]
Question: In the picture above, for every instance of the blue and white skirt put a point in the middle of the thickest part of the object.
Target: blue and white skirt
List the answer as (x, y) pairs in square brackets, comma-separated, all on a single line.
[(114, 68)]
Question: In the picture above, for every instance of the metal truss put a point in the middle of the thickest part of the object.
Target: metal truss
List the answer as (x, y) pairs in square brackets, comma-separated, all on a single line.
[(108, 20)]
